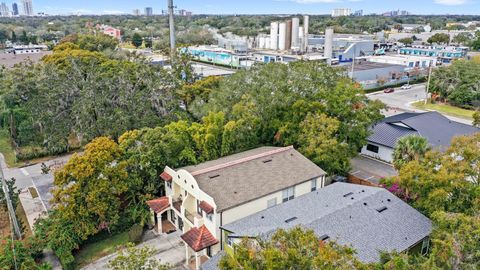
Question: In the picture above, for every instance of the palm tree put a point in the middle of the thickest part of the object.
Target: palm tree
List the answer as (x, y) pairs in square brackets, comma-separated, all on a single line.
[(408, 148)]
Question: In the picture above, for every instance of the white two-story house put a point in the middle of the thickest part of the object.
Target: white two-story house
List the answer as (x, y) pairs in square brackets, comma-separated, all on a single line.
[(202, 198)]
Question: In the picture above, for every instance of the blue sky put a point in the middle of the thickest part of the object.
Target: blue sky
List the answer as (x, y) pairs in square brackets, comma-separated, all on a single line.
[(257, 6)]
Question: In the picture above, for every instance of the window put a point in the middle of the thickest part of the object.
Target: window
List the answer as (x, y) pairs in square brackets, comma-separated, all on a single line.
[(425, 245), (210, 217), (313, 185), (229, 242), (209, 252), (169, 185), (288, 194), (199, 210), (372, 148), (271, 202)]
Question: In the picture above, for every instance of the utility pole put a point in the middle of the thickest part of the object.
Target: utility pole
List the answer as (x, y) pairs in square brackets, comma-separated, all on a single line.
[(172, 27)]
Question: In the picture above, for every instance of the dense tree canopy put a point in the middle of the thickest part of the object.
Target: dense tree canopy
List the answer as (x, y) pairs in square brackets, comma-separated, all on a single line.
[(75, 95), (293, 249), (277, 98), (445, 187), (458, 84)]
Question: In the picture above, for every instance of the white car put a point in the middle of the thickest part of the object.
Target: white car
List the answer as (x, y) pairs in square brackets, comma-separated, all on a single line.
[(406, 86)]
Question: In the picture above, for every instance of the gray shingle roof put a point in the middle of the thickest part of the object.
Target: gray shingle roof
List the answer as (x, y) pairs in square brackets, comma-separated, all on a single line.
[(212, 263), (345, 219), (436, 128), (254, 178)]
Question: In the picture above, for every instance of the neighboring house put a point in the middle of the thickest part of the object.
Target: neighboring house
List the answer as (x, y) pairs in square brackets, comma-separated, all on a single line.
[(202, 198), (113, 32), (369, 219), (436, 128)]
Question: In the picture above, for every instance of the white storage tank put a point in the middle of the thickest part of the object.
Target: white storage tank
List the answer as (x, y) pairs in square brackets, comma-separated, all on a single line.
[(328, 50), (274, 36), (295, 33), (282, 36), (261, 42)]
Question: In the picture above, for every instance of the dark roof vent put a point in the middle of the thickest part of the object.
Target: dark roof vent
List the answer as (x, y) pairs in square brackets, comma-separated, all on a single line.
[(381, 209), (348, 194), (290, 219), (365, 203), (388, 200), (267, 161), (324, 237), (214, 176), (262, 217)]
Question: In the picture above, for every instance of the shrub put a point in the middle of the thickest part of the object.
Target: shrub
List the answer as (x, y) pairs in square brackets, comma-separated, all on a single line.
[(135, 233)]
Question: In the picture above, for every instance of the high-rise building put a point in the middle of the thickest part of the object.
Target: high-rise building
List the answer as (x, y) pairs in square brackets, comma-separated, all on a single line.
[(148, 11), (358, 13), (27, 7), (4, 12), (136, 12), (338, 12), (15, 9)]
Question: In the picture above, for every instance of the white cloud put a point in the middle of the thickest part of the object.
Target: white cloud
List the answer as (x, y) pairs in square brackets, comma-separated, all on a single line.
[(451, 2)]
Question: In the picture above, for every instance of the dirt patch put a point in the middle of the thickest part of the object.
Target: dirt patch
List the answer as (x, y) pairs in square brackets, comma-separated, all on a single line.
[(4, 223)]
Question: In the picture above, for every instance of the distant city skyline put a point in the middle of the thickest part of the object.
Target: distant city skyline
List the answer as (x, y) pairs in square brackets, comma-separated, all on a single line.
[(427, 7)]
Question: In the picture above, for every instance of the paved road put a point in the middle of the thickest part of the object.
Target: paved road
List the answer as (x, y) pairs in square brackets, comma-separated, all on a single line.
[(400, 101), (169, 249)]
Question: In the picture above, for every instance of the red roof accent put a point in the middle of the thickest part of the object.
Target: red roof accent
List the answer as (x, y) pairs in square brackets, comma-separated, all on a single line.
[(206, 207), (199, 238), (165, 176), (159, 205)]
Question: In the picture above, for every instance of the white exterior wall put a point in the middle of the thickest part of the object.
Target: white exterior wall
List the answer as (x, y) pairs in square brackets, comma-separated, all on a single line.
[(384, 153), (282, 36), (260, 204)]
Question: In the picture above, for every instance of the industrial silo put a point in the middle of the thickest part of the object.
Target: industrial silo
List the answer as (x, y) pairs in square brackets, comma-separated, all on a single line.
[(295, 33), (282, 35), (274, 36), (328, 49)]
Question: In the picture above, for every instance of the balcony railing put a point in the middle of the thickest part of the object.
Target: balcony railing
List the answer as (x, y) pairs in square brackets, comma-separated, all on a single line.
[(191, 216)]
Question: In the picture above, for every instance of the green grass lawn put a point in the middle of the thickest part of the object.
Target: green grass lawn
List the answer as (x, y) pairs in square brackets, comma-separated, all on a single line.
[(6, 148), (95, 250), (446, 109)]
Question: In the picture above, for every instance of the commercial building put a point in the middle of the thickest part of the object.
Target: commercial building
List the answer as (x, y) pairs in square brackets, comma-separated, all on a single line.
[(436, 128), (136, 12), (15, 9), (339, 12), (27, 49), (370, 72), (445, 54), (218, 56), (408, 61), (27, 7), (148, 11), (369, 219), (202, 198), (4, 12)]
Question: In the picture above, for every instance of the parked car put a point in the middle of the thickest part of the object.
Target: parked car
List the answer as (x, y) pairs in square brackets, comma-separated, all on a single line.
[(389, 90), (406, 86)]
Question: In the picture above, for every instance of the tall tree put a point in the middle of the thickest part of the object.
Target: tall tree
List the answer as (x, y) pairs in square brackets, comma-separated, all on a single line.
[(137, 40), (88, 188)]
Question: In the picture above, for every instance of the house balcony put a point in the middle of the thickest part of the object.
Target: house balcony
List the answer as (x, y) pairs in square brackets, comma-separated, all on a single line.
[(178, 205), (194, 218)]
